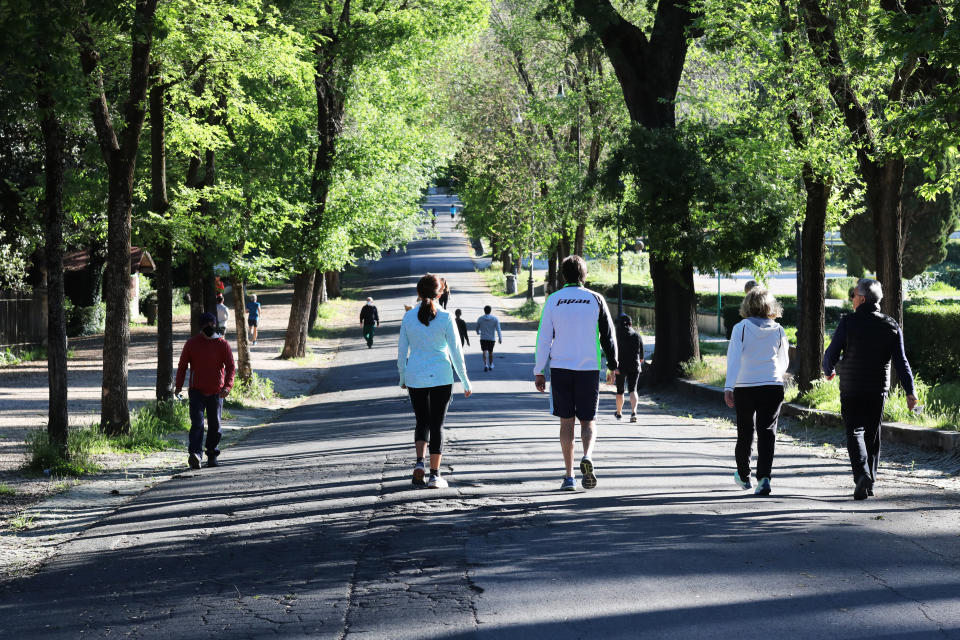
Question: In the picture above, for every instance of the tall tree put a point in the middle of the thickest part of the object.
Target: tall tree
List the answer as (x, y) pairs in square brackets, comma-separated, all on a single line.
[(119, 150)]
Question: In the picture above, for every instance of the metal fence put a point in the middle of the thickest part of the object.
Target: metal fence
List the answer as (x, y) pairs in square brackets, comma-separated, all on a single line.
[(22, 319)]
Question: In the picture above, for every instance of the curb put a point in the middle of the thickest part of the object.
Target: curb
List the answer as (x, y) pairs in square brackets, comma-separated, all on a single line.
[(894, 432)]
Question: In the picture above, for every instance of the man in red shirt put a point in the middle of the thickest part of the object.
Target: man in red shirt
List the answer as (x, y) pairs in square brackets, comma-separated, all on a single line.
[(211, 377)]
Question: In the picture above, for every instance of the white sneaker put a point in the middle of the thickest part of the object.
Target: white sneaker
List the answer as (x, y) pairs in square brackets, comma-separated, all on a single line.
[(437, 482), (491, 366)]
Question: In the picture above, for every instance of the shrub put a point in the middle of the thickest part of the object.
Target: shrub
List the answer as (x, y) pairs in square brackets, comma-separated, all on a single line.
[(710, 370), (258, 390), (931, 335), (84, 321), (953, 252), (44, 457), (839, 288), (529, 310)]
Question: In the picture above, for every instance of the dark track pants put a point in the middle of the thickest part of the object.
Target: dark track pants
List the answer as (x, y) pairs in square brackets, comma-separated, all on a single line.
[(758, 409), (862, 415), (430, 407), (201, 404), (368, 333)]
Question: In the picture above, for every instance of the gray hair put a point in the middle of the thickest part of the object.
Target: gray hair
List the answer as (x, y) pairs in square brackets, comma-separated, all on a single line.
[(760, 303), (369, 299), (870, 290)]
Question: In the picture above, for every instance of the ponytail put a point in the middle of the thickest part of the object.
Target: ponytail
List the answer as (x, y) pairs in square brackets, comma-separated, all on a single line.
[(428, 288)]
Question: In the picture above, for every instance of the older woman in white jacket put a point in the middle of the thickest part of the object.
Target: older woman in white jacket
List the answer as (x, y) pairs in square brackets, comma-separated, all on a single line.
[(757, 359)]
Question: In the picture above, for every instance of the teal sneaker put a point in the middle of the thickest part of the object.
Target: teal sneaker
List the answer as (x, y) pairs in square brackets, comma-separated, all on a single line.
[(569, 484), (743, 484), (763, 487)]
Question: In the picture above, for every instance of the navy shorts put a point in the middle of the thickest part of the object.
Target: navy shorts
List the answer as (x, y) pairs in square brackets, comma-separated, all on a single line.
[(253, 322), (575, 393), (487, 345)]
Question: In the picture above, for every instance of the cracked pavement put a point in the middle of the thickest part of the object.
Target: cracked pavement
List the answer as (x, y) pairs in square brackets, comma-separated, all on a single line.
[(310, 528)]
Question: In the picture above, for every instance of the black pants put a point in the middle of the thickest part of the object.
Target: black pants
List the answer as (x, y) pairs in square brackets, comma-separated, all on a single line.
[(758, 409), (430, 407), (862, 415)]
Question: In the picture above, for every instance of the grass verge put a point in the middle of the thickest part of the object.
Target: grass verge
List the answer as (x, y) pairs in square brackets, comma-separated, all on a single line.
[(245, 394)]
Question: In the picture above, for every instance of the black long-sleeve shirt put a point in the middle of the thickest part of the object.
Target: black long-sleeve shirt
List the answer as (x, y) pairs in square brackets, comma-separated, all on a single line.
[(369, 315)]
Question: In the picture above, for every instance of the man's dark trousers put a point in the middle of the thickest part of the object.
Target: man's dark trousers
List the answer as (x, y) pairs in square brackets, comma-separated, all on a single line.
[(201, 404), (862, 415), (368, 333)]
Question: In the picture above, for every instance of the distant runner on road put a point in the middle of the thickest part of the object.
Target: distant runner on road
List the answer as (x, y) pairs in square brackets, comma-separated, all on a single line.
[(488, 328), (574, 328), (253, 317), (427, 348), (630, 351)]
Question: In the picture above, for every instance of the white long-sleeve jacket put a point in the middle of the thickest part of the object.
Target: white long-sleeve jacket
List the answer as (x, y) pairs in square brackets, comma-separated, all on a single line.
[(758, 355), (575, 329)]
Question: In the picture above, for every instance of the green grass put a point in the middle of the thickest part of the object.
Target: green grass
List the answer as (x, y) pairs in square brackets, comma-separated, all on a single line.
[(635, 270), (529, 310), (245, 394), (713, 348), (21, 522), (941, 403), (710, 370), (10, 357), (7, 490), (149, 427), (496, 280)]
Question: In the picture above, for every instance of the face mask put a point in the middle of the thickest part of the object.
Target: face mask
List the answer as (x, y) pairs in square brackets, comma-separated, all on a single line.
[(208, 331)]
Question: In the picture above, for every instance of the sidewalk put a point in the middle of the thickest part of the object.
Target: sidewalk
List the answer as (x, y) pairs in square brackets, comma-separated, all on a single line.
[(312, 529)]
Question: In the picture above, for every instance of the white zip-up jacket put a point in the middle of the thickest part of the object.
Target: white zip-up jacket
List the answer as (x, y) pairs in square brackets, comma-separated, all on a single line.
[(758, 355), (575, 329)]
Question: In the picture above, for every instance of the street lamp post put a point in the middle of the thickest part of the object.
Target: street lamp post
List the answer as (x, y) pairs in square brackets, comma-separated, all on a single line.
[(619, 255)]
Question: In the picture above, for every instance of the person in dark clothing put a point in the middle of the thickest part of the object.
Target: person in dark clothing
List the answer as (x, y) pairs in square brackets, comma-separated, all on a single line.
[(462, 328), (210, 360), (860, 352), (369, 318), (630, 348), (445, 295)]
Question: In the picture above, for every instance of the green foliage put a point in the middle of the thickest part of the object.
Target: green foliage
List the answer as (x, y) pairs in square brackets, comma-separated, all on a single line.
[(529, 310), (710, 370), (7, 490), (839, 288), (931, 336), (84, 321), (44, 457), (242, 394)]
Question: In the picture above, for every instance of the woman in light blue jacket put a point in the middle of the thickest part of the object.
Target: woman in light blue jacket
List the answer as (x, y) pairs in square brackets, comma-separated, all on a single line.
[(429, 343)]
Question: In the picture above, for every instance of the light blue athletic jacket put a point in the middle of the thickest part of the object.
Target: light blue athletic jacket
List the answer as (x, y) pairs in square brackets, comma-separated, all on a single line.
[(432, 349)]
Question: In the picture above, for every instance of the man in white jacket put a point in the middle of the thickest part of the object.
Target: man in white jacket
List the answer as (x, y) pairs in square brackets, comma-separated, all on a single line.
[(757, 358), (574, 328)]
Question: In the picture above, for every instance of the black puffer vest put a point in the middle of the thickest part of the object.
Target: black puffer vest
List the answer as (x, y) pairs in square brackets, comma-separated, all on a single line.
[(871, 340)]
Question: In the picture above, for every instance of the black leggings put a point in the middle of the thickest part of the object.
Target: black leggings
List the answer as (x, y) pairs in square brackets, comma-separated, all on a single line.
[(430, 406), (758, 408)]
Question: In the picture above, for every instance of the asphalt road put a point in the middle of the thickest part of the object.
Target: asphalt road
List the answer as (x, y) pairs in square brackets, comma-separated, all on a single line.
[(311, 528)]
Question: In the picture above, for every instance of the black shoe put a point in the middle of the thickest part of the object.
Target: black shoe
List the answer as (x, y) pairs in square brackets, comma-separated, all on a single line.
[(194, 460), (618, 416), (212, 461), (862, 489)]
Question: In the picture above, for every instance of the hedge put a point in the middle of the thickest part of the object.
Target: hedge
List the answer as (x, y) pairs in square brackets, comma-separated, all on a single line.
[(839, 288), (931, 335), (791, 314), (84, 321)]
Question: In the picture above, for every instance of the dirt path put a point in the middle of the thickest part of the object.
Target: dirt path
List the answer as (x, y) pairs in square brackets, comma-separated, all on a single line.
[(24, 391)]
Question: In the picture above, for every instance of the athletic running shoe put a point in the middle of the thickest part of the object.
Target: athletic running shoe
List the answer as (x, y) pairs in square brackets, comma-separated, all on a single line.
[(569, 484), (589, 480), (491, 366), (763, 487), (437, 482), (862, 488), (743, 484), (618, 416), (486, 368), (194, 461), (418, 472), (633, 417)]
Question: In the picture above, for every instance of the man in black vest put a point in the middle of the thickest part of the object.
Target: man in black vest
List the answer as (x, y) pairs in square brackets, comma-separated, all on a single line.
[(868, 341)]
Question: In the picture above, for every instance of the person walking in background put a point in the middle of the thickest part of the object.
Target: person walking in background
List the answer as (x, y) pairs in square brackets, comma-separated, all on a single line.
[(488, 328), (630, 353), (757, 358), (575, 322), (462, 328), (750, 284), (369, 319), (445, 293), (861, 349), (223, 315), (253, 317), (453, 211), (211, 365), (426, 349)]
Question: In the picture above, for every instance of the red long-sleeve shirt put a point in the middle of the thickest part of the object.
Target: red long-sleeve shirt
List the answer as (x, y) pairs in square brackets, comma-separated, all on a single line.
[(211, 365)]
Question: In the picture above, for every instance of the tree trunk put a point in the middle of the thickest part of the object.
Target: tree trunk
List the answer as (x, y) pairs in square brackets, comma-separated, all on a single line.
[(579, 237), (316, 299), (197, 290), (162, 251), (244, 368), (333, 284), (810, 325), (677, 335), (552, 271), (506, 261), (884, 193), (295, 344), (53, 165)]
